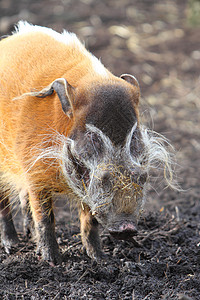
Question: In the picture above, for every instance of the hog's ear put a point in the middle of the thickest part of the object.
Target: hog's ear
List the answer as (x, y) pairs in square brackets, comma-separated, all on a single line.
[(64, 91), (131, 79)]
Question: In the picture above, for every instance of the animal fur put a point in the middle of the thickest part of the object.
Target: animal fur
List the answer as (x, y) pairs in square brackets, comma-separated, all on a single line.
[(66, 124)]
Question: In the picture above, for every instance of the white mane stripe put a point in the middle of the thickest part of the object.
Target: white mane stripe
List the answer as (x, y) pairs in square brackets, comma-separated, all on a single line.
[(66, 38)]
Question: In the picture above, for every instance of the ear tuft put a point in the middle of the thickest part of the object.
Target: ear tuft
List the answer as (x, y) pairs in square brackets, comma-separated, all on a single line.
[(131, 79), (61, 87), (64, 91)]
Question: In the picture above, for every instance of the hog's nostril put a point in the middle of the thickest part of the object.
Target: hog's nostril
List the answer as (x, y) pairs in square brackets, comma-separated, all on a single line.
[(127, 227), (124, 231)]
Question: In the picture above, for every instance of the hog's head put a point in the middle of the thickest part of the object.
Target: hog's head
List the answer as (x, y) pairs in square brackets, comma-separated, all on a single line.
[(105, 162), (107, 157)]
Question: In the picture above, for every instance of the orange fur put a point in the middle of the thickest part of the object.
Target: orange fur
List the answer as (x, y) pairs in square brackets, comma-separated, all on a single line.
[(28, 62)]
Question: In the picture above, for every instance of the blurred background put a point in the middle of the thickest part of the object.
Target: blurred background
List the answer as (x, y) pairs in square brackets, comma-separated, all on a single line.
[(156, 41), (159, 43)]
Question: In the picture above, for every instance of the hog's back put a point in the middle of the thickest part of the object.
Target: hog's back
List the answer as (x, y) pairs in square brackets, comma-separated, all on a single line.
[(30, 62)]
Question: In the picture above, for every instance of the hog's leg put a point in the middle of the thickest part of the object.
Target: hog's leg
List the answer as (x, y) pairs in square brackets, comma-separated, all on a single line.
[(26, 212), (8, 233), (90, 234), (43, 216)]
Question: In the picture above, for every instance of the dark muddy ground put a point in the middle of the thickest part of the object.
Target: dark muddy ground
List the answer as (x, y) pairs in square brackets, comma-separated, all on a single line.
[(158, 42)]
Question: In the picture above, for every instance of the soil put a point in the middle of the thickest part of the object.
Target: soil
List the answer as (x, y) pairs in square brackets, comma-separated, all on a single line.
[(157, 42)]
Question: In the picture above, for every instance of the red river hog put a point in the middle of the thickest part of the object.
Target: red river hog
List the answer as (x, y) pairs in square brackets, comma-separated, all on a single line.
[(68, 125)]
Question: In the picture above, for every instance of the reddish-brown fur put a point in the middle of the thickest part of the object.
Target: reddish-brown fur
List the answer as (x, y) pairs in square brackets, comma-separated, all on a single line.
[(30, 62)]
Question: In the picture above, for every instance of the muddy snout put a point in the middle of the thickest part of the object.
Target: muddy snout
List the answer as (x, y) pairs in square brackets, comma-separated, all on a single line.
[(123, 230)]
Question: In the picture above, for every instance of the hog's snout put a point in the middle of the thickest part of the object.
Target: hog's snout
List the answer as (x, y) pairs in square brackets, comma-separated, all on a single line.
[(123, 231)]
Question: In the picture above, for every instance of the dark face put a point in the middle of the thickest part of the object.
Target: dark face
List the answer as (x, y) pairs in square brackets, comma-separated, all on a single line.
[(112, 111), (100, 167)]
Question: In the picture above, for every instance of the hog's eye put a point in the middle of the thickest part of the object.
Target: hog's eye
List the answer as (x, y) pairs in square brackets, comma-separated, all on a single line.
[(143, 178), (136, 146), (94, 144), (106, 182)]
